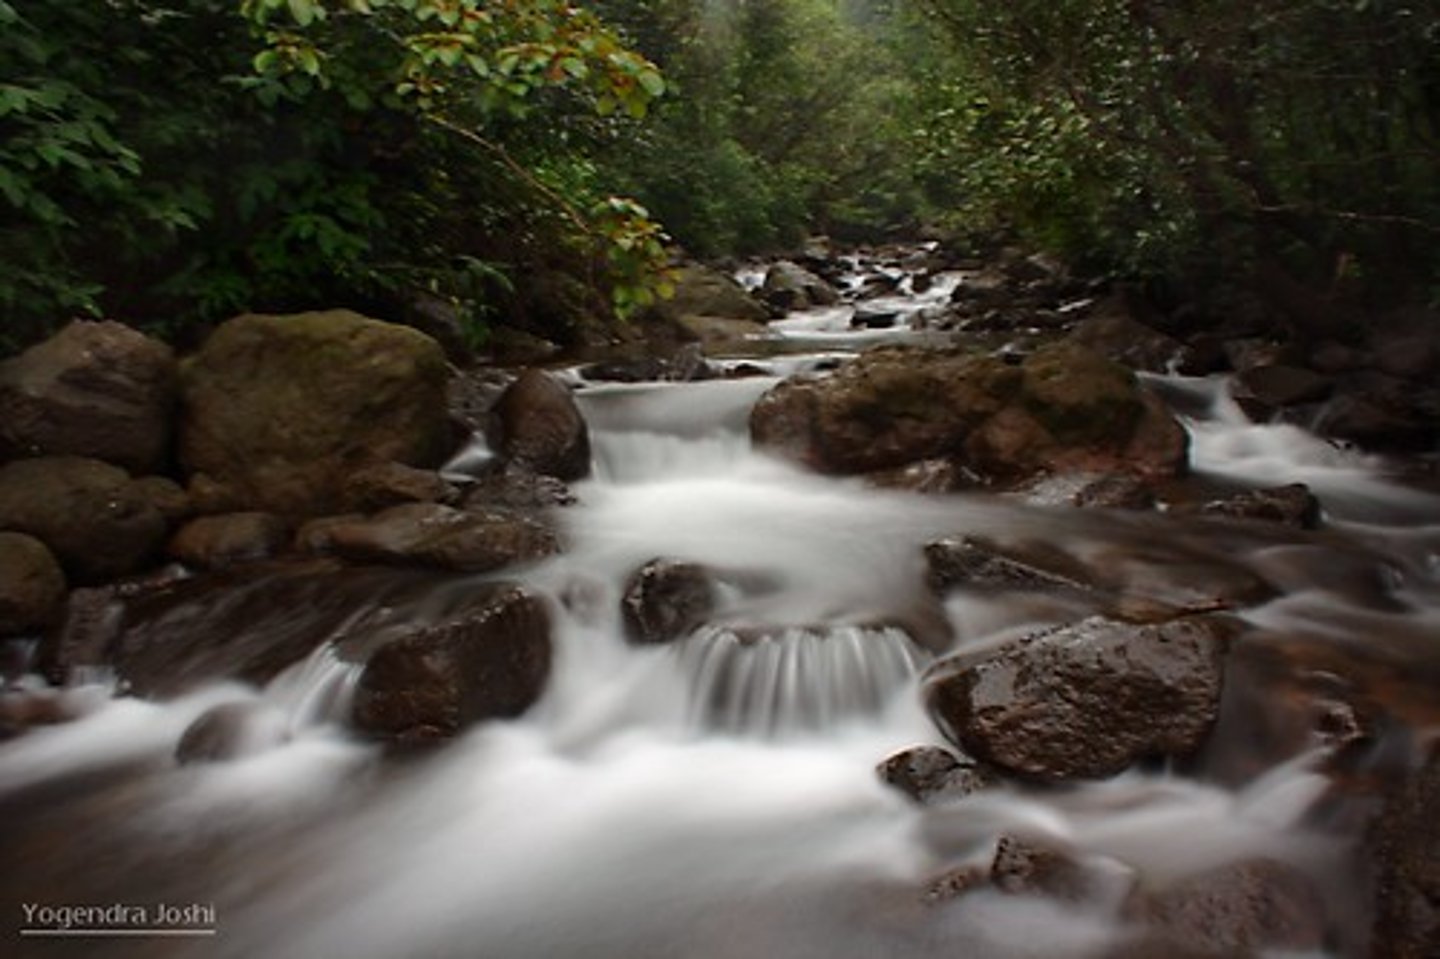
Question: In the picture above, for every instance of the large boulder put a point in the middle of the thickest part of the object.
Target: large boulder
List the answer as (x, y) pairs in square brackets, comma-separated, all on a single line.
[(32, 587), (1064, 409), (280, 409), (538, 424), (97, 521), (1085, 700), (428, 534), (99, 390), (789, 286), (702, 291), (491, 663)]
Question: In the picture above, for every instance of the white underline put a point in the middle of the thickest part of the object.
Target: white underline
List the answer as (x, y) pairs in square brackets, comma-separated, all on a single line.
[(116, 932)]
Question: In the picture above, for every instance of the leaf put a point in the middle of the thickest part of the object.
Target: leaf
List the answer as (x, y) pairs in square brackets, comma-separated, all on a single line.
[(303, 11), (653, 83)]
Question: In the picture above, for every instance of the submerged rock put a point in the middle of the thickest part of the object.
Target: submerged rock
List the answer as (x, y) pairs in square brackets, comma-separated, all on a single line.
[(490, 664), (1084, 701), (665, 600), (231, 731), (279, 410), (99, 523), (98, 390), (32, 586), (538, 425)]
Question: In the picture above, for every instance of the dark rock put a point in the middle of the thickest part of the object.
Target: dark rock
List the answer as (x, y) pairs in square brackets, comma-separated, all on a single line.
[(1112, 331), (98, 390), (665, 600), (32, 586), (214, 542), (1245, 353), (1293, 505), (789, 286), (516, 488), (1084, 700), (1255, 904), (280, 409), (97, 521), (1376, 423), (1089, 491), (873, 318), (88, 627), (230, 731), (972, 563), (1405, 842), (166, 495), (428, 534), (644, 370), (1261, 390), (939, 475), (538, 425), (932, 774), (1026, 866), (471, 395), (491, 664), (381, 485), (702, 291)]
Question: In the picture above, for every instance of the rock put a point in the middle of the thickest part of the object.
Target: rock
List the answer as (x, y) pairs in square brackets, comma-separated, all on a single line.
[(720, 332), (1251, 905), (428, 534), (1090, 491), (1063, 409), (166, 496), (490, 664), (471, 395), (516, 488), (280, 409), (1112, 331), (874, 318), (932, 774), (97, 390), (972, 563), (89, 625), (1291, 505), (938, 475), (1405, 842), (381, 485), (1026, 866), (538, 425), (231, 731), (702, 291), (1376, 422), (214, 542), (666, 600), (93, 517), (789, 286), (1086, 700), (32, 587), (1261, 390)]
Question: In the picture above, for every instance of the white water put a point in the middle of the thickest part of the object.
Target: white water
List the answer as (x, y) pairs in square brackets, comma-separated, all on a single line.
[(705, 801)]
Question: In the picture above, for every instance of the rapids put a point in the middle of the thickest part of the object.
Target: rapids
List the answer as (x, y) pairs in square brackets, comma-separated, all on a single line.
[(717, 798)]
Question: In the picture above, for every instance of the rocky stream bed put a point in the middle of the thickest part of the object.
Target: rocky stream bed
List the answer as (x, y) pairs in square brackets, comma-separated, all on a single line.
[(878, 604)]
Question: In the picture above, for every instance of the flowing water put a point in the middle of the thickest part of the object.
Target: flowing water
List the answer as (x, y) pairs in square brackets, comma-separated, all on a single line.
[(717, 798)]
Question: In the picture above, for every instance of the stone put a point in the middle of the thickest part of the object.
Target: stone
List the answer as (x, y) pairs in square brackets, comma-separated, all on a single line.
[(1291, 505), (1261, 390), (231, 731), (381, 485), (517, 488), (88, 626), (429, 534), (32, 585), (933, 774), (874, 318), (1112, 331), (665, 600), (1086, 700), (214, 542), (1405, 845), (789, 286), (702, 291), (97, 390), (491, 664), (969, 562), (537, 424), (97, 521), (279, 410)]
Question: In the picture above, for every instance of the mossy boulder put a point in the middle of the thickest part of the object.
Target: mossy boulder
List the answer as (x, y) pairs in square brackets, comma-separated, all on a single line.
[(278, 410)]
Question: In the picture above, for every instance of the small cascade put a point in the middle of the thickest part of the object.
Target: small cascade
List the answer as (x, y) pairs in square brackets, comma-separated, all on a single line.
[(798, 680), (317, 691)]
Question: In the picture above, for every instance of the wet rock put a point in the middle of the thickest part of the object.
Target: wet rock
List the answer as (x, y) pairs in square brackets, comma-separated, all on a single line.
[(932, 774), (1089, 491), (1028, 866), (686, 365), (89, 625), (166, 495), (97, 390), (491, 664), (471, 395), (428, 534), (214, 542), (789, 286), (381, 485), (32, 586), (665, 600), (231, 731), (97, 521), (1255, 904), (538, 425), (969, 562), (516, 488), (874, 318), (702, 291), (1112, 331), (1085, 700), (1292, 505), (1378, 421), (1261, 390), (938, 475), (279, 410), (1405, 843)]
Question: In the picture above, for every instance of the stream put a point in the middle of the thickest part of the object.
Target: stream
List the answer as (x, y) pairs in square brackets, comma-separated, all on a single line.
[(717, 798)]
